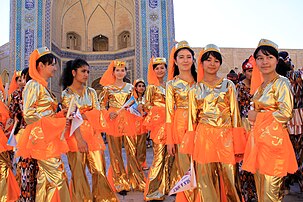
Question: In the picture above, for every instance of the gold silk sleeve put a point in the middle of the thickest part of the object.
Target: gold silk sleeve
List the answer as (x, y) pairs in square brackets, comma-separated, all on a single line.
[(169, 102), (94, 97), (192, 110), (148, 97), (30, 96), (103, 98), (284, 100), (234, 108), (65, 98)]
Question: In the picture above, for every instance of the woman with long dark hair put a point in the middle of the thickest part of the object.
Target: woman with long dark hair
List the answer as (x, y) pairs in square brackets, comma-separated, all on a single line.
[(182, 76), (86, 146), (141, 131)]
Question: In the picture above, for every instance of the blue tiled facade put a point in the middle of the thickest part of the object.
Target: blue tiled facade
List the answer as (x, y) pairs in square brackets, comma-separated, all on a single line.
[(154, 32)]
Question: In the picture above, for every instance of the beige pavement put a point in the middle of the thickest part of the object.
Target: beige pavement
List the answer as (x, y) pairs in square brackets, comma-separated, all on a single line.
[(294, 196)]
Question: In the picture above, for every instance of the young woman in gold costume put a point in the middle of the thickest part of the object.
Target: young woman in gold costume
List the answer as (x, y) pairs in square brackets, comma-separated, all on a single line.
[(86, 146), (182, 77), (269, 153), (214, 116), (41, 138), (114, 95)]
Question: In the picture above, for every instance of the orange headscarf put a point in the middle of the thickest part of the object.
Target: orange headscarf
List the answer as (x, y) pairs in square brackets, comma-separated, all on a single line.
[(13, 85), (33, 72), (134, 84), (256, 77), (207, 48), (171, 64), (1, 86), (108, 77), (151, 75)]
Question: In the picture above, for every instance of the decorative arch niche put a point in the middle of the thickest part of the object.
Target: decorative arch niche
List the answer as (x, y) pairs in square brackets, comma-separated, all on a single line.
[(100, 43), (73, 41), (124, 40)]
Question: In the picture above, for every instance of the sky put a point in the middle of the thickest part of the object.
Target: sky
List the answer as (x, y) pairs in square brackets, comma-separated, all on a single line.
[(226, 23)]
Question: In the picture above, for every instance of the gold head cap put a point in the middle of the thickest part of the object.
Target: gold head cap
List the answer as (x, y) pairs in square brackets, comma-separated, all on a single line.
[(182, 44), (139, 80), (159, 60), (43, 51), (266, 42), (119, 64), (18, 73), (211, 47)]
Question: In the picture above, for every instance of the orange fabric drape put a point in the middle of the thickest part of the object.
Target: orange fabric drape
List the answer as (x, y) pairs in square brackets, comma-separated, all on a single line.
[(33, 72), (42, 139), (90, 130), (269, 148), (256, 78), (13, 191), (108, 78), (152, 78), (3, 142), (200, 67), (13, 85), (1, 86), (4, 113), (171, 64)]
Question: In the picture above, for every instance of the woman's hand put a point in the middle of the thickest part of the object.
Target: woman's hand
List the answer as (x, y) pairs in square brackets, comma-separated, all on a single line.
[(113, 115), (252, 116), (171, 149), (82, 145)]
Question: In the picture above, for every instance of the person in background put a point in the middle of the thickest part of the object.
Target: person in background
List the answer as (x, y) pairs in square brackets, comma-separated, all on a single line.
[(248, 188), (233, 76), (116, 92), (9, 190), (295, 125), (27, 168), (41, 138), (141, 132), (269, 153), (86, 146), (182, 76), (219, 136)]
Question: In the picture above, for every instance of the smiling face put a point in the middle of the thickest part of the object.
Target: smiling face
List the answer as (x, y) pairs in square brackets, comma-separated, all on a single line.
[(211, 65), (160, 70), (140, 87), (184, 60), (20, 82), (81, 74), (119, 73), (266, 62)]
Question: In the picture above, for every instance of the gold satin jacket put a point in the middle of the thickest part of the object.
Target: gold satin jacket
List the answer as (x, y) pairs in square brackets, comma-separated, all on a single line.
[(154, 96), (215, 106), (176, 96), (114, 96), (276, 97), (38, 102), (86, 101)]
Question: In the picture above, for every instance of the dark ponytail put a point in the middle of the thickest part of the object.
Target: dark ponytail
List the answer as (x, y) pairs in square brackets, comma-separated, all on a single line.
[(67, 75)]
